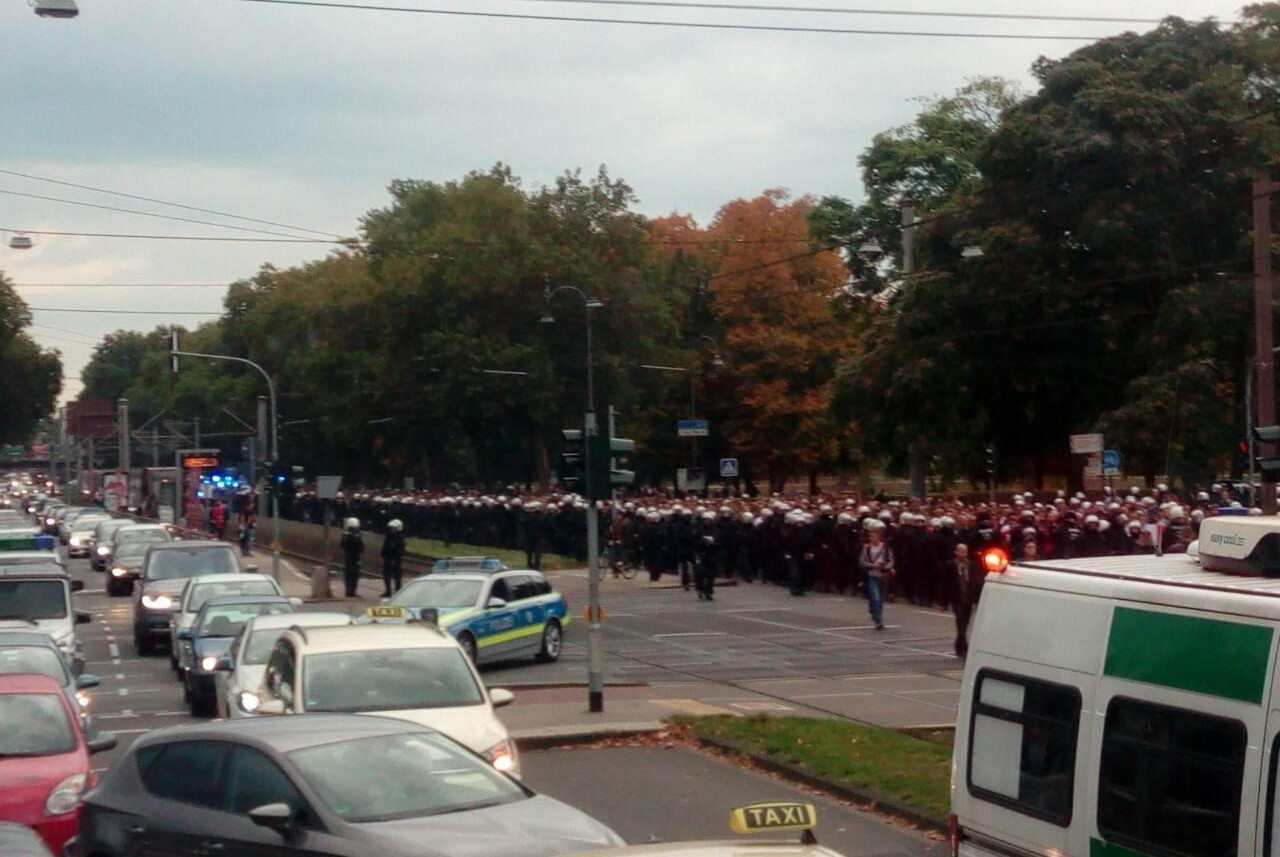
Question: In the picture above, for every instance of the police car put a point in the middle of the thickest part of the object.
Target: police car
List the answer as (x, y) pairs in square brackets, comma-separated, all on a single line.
[(494, 615), (770, 817)]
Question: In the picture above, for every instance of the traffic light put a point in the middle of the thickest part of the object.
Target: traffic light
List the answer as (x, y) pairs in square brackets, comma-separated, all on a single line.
[(604, 478), (1269, 467), (572, 459), (990, 450)]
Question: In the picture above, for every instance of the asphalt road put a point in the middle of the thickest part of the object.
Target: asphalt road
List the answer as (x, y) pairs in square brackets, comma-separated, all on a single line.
[(677, 793)]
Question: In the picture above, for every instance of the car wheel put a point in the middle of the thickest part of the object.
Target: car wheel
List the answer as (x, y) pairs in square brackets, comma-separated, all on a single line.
[(144, 645), (201, 706), (552, 642), (113, 591), (468, 644)]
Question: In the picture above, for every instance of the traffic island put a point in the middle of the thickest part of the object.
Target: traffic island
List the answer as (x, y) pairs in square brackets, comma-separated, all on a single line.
[(889, 772)]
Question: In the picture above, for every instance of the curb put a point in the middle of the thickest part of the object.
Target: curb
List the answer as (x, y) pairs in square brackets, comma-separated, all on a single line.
[(566, 685), (549, 739), (870, 798)]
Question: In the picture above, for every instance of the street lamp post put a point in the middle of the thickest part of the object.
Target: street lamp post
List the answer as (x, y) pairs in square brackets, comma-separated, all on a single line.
[(595, 665), (716, 361), (275, 446)]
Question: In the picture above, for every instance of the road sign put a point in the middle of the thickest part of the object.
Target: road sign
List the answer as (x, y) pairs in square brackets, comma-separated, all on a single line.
[(693, 428), (691, 479), (729, 468), (1085, 444), (327, 487), (1110, 462), (1093, 466)]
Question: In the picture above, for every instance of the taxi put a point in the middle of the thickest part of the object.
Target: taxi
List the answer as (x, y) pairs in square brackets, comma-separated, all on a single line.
[(494, 615), (770, 817)]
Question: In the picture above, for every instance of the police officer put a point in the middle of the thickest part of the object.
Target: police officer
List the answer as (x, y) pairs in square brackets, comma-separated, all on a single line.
[(352, 547), (707, 560), (392, 554)]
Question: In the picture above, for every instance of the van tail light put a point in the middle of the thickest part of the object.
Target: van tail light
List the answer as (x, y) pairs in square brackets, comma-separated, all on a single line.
[(954, 834)]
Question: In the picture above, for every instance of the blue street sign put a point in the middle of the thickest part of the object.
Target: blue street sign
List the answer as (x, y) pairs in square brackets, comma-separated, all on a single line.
[(728, 468), (693, 428), (1110, 462)]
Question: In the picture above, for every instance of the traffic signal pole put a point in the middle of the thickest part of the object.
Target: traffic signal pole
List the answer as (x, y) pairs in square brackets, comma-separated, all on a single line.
[(1263, 309)]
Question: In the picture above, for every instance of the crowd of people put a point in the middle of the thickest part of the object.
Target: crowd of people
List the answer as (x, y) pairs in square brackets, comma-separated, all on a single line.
[(922, 552)]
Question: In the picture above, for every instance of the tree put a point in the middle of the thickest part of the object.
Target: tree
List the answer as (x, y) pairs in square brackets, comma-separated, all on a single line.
[(117, 360), (773, 294), (32, 376)]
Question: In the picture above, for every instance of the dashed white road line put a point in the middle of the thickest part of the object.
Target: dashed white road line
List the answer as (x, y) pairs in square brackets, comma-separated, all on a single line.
[(115, 651)]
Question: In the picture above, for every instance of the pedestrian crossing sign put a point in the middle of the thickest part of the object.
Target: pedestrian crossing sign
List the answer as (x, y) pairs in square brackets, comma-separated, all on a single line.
[(728, 468)]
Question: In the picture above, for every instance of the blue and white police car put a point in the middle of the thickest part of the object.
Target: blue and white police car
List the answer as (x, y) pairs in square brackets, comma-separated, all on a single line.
[(494, 615)]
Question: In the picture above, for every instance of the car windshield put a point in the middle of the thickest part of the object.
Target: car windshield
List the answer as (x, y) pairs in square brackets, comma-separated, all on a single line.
[(202, 592), (439, 593), (33, 599), (401, 776), (148, 534), (388, 679), (87, 524), (132, 550), (226, 620), (177, 564), (35, 725), (108, 527), (32, 659), (260, 645)]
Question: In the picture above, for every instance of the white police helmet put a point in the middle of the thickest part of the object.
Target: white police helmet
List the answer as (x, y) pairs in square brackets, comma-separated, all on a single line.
[(351, 524), (395, 524)]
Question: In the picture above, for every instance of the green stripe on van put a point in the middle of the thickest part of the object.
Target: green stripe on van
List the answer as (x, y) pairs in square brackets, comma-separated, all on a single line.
[(1099, 848), (1225, 659)]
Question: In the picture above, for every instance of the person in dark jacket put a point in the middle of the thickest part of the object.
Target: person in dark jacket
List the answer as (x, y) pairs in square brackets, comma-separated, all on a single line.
[(965, 579), (392, 554), (352, 545)]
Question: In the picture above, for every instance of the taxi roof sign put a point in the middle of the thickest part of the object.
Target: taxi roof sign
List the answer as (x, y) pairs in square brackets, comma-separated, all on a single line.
[(773, 816)]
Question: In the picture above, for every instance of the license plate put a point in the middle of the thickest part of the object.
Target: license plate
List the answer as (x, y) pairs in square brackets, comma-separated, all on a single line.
[(385, 612)]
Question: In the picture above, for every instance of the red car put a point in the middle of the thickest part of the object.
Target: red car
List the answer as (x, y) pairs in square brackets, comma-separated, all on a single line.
[(44, 757)]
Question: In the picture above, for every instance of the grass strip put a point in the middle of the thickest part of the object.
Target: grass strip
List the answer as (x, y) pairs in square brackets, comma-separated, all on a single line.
[(514, 559), (914, 771)]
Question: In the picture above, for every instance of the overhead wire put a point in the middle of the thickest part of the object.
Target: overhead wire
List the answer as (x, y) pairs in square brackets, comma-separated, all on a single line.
[(231, 238), (690, 25), (184, 206), (122, 311)]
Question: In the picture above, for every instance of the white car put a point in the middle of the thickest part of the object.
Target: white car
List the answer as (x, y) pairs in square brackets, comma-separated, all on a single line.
[(199, 590), (80, 538), (250, 650), (414, 672)]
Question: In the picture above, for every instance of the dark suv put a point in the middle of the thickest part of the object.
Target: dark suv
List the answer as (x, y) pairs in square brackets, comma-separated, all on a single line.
[(165, 571)]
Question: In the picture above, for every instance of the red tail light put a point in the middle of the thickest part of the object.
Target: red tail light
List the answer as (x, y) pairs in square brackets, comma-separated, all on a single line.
[(955, 834)]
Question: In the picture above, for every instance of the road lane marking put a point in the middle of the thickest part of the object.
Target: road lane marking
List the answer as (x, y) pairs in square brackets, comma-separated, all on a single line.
[(124, 691), (114, 649), (692, 634), (834, 695)]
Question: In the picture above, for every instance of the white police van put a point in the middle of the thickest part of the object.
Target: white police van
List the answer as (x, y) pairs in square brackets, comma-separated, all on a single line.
[(1125, 706)]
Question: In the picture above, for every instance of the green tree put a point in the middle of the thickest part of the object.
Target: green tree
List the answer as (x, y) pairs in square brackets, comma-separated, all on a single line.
[(32, 376)]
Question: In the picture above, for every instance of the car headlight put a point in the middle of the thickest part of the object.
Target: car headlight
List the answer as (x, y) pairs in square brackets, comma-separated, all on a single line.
[(248, 701), (103, 550), (208, 663), (82, 698), (49, 522), (75, 541), (503, 757), (157, 602), (65, 796), (119, 572)]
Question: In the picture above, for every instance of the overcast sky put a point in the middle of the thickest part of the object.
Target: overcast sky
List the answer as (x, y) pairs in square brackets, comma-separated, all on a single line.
[(303, 115)]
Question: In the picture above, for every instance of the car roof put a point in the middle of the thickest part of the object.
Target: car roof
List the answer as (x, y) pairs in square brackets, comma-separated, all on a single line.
[(18, 840), (281, 621), (195, 544), (286, 734), (28, 683), (245, 599), (234, 577), (137, 526), (29, 557), (355, 638), (477, 575), (26, 638), (52, 571)]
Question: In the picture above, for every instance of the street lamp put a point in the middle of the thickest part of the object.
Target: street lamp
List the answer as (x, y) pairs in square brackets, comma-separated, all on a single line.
[(55, 8), (973, 251), (18, 241), (595, 665), (870, 250)]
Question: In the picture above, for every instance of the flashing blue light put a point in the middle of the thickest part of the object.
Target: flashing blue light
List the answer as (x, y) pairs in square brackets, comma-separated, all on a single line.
[(280, 479), (200, 494)]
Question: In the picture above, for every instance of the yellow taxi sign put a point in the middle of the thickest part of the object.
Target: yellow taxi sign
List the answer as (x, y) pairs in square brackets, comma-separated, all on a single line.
[(772, 816), (384, 611)]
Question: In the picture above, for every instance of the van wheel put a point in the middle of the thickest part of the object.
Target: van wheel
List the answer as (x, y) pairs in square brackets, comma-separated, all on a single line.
[(468, 644), (552, 642), (144, 645)]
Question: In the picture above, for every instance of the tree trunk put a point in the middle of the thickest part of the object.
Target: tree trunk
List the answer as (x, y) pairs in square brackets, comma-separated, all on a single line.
[(541, 465), (813, 481)]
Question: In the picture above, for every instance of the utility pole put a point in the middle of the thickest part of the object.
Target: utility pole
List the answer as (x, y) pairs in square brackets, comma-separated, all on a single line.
[(195, 429), (916, 457), (155, 447), (124, 434), (1263, 307)]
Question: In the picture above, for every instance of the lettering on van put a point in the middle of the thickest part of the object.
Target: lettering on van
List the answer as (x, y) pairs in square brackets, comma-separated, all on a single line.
[(1229, 541)]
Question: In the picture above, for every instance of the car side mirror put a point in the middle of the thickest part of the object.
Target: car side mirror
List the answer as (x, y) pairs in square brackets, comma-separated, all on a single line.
[(101, 743), (271, 706), (86, 681), (77, 585), (496, 603), (273, 816), (252, 568), (500, 696), (83, 618), (295, 603)]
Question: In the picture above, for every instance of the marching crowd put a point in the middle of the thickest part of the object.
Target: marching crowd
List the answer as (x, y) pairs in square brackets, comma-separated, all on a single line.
[(924, 552)]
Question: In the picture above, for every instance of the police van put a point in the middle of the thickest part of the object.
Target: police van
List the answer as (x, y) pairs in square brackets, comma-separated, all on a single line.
[(1125, 706)]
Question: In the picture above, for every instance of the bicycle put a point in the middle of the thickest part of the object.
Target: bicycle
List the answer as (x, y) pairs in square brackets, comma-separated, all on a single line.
[(612, 557)]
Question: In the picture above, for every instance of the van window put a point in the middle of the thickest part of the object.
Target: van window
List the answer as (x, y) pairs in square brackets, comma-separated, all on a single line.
[(1170, 779), (1022, 748)]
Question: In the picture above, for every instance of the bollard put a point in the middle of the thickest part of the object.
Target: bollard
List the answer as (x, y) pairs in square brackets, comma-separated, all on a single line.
[(320, 583)]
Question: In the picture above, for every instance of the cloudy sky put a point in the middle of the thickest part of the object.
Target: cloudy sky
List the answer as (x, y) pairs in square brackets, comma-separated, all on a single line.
[(302, 115)]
